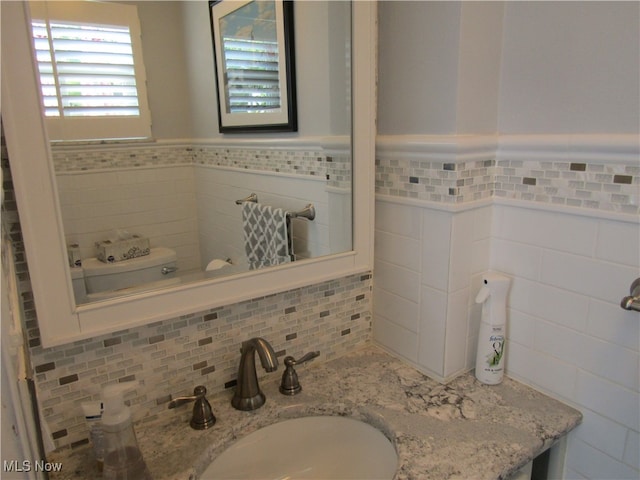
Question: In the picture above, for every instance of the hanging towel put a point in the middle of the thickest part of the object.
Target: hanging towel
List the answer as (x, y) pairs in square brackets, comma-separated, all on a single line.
[(266, 235)]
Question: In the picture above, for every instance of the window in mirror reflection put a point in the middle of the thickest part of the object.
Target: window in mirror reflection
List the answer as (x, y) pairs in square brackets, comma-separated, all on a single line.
[(91, 70)]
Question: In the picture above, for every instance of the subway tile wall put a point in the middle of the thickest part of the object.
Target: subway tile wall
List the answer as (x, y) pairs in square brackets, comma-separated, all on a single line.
[(427, 265), (157, 202), (567, 334)]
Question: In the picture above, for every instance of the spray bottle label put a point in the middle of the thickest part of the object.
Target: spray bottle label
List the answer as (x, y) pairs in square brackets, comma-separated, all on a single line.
[(497, 351)]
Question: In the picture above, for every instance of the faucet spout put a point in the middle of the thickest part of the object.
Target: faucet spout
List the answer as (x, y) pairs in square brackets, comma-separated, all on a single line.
[(248, 395)]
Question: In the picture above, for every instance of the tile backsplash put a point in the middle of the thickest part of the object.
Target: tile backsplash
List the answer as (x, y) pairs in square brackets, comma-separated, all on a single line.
[(171, 357)]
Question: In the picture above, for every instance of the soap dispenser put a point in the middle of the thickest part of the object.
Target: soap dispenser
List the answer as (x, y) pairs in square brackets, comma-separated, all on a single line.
[(491, 339), (123, 458)]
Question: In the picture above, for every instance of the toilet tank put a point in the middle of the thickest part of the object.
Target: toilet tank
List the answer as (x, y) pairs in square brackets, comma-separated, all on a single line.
[(101, 277)]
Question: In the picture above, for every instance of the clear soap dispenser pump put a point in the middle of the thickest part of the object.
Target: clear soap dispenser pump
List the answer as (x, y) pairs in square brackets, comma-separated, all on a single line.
[(122, 458)]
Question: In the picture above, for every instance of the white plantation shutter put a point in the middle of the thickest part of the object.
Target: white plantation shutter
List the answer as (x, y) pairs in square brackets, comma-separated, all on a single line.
[(92, 76), (252, 69)]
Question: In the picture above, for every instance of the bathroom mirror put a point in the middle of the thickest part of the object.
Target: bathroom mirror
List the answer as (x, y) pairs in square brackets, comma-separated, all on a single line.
[(178, 190), (60, 319)]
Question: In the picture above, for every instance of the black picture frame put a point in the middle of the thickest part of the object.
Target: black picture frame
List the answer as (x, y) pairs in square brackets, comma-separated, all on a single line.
[(282, 119)]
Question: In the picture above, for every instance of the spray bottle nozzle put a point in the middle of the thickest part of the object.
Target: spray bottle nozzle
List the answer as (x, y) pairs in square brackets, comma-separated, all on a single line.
[(483, 294), (494, 284)]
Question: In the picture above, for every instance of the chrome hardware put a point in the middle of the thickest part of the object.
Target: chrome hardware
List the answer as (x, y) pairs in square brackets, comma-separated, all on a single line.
[(290, 384), (309, 212), (168, 270), (251, 198), (203, 417), (632, 302), (248, 395)]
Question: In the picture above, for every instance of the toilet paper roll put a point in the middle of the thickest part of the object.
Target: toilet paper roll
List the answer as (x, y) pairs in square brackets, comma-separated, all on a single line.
[(217, 264)]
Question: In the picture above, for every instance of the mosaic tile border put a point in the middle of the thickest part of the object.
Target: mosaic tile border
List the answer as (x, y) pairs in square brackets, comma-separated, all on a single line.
[(333, 165), (446, 182), (606, 187), (96, 158), (611, 185)]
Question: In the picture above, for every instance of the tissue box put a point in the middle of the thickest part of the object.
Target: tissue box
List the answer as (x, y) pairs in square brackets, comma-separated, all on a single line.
[(116, 251)]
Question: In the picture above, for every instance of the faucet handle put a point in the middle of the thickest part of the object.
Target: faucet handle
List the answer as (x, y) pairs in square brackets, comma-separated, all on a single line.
[(203, 416), (290, 384)]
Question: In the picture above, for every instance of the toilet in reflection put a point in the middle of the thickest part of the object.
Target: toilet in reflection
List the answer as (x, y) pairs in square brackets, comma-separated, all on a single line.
[(105, 280)]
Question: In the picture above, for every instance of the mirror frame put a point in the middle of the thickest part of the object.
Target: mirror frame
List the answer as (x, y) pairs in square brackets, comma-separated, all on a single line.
[(284, 120), (60, 320)]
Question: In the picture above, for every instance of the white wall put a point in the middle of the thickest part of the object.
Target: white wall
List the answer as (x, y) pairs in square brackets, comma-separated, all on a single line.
[(417, 67), (434, 58), (479, 67), (570, 67)]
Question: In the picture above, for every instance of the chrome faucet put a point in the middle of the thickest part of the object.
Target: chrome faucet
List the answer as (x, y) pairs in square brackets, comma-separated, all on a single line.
[(248, 395)]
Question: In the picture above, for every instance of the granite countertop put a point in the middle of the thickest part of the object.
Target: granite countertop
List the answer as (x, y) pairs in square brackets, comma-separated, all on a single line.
[(462, 430)]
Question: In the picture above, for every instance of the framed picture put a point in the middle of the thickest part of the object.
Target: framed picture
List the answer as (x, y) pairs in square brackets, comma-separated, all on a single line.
[(255, 65)]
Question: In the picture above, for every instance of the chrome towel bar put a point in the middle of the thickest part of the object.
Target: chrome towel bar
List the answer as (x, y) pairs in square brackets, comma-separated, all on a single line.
[(308, 212), (251, 198)]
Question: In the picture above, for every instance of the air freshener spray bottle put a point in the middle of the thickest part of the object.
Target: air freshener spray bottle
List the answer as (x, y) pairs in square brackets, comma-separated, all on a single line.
[(491, 340)]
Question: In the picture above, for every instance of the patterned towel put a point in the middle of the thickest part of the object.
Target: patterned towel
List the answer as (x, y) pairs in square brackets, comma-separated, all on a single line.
[(266, 235)]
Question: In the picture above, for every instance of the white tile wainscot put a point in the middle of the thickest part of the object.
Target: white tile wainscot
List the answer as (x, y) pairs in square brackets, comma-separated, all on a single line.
[(561, 219), (428, 262), (567, 334)]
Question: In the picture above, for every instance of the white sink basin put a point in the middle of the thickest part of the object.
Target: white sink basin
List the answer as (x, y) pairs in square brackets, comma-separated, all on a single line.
[(323, 447)]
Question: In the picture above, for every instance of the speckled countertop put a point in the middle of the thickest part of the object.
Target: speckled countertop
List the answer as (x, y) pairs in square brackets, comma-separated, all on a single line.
[(461, 430)]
